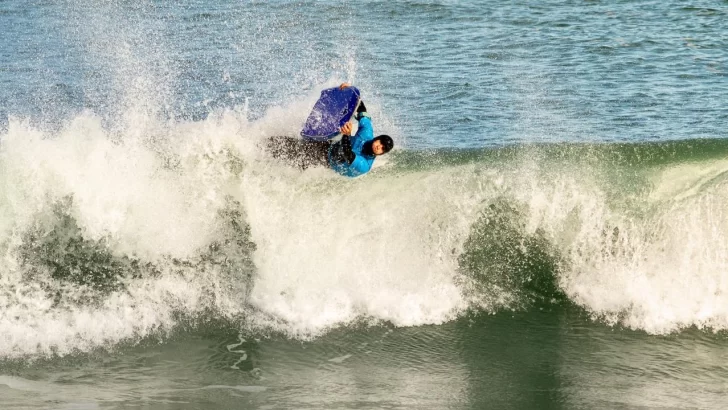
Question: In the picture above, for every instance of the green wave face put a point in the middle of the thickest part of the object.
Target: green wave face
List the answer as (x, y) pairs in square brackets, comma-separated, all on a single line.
[(632, 233)]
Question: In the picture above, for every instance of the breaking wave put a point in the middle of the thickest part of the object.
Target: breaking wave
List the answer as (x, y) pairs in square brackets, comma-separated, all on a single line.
[(111, 234)]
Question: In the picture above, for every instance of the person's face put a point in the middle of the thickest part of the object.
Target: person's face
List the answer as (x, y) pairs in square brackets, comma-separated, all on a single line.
[(377, 147)]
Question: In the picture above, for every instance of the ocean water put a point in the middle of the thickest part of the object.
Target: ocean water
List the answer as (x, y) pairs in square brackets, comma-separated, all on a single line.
[(551, 230)]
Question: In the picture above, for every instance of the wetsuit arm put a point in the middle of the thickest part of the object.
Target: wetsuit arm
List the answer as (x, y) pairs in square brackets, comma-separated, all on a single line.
[(360, 165), (365, 131)]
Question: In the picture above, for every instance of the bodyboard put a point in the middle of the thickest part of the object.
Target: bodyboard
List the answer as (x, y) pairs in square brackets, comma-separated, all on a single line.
[(332, 110)]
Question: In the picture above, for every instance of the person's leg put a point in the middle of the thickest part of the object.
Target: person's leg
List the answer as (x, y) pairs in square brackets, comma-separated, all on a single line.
[(315, 153), (298, 152), (282, 147)]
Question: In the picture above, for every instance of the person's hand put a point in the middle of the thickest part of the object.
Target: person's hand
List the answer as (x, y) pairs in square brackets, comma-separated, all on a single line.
[(344, 85), (346, 129)]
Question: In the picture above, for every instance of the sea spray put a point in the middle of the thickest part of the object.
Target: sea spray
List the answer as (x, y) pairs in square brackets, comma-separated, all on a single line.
[(107, 240)]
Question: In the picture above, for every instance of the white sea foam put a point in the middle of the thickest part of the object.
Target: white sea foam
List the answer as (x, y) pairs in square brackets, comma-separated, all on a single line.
[(141, 203), (654, 259), (332, 252), (665, 268)]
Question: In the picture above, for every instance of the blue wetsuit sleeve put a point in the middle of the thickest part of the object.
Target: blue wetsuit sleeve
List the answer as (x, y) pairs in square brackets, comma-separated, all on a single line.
[(365, 130), (360, 165)]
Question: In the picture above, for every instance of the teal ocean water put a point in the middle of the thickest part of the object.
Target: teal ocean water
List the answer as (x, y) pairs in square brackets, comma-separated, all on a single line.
[(549, 232)]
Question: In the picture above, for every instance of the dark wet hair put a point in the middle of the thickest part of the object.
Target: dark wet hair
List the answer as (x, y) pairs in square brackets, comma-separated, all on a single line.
[(387, 142)]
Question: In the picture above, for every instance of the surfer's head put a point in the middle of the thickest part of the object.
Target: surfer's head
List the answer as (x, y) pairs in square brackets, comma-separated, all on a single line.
[(382, 144)]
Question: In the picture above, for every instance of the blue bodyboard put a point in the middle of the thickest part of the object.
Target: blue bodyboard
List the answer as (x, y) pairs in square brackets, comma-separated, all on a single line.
[(332, 110)]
